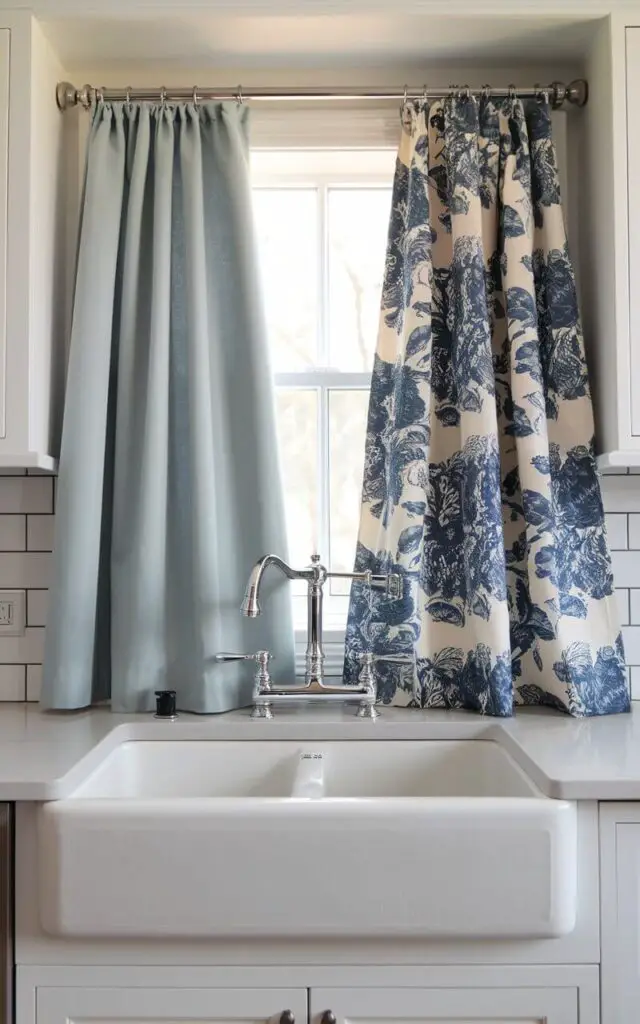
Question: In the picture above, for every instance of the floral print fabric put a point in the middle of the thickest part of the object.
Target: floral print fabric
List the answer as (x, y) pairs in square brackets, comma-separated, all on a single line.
[(480, 483)]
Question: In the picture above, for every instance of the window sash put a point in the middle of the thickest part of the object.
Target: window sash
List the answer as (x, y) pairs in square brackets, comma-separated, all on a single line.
[(323, 170)]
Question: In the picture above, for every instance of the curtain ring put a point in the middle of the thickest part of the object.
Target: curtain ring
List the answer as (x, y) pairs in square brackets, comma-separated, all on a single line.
[(513, 95), (453, 88), (196, 101), (163, 97), (542, 93), (128, 97), (486, 92), (425, 94), (239, 99), (99, 94), (404, 96), (465, 92)]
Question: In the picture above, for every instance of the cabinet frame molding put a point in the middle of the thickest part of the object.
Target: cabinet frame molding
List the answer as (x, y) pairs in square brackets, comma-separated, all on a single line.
[(620, 948)]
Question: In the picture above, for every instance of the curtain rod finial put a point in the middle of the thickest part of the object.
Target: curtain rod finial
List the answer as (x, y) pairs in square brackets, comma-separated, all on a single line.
[(578, 92), (66, 95)]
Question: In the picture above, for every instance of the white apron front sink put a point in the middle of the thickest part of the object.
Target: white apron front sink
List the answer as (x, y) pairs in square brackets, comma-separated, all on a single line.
[(260, 839)]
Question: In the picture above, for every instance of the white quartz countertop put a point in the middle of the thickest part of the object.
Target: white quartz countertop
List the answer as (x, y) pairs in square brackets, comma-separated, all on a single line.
[(45, 755)]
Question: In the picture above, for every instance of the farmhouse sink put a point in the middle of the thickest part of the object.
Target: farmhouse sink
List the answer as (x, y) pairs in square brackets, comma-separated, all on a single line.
[(343, 839)]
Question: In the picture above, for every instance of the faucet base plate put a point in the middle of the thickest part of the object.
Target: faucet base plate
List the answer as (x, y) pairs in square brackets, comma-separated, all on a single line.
[(369, 711), (262, 711)]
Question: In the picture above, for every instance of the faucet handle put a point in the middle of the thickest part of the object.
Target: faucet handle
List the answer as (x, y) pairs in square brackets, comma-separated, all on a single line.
[(262, 679), (390, 582), (262, 657)]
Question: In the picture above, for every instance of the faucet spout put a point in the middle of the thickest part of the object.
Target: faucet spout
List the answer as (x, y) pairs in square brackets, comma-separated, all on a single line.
[(251, 605)]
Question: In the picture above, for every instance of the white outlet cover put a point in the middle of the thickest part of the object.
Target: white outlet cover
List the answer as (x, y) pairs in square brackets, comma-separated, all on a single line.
[(18, 601)]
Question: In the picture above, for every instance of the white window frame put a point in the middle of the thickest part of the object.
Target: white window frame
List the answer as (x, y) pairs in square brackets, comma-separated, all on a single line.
[(322, 168)]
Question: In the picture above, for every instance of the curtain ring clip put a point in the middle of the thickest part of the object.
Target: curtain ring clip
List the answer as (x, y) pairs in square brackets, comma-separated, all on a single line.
[(163, 97), (425, 94), (542, 93), (239, 99), (513, 95), (99, 94), (465, 92), (486, 92), (196, 101), (404, 95), (128, 97)]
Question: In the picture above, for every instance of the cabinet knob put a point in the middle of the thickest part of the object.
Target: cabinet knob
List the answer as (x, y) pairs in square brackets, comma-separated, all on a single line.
[(328, 1017), (287, 1017)]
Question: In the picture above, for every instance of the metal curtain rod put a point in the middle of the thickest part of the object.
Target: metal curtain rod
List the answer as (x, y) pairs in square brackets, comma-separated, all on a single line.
[(67, 95)]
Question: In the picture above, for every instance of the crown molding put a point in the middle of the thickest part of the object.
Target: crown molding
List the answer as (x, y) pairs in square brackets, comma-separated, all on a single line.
[(318, 8)]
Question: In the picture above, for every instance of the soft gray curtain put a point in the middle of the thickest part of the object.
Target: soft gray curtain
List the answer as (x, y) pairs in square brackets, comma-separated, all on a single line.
[(169, 486)]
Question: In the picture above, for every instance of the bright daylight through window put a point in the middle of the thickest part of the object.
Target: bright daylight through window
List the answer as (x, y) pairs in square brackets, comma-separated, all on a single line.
[(322, 219)]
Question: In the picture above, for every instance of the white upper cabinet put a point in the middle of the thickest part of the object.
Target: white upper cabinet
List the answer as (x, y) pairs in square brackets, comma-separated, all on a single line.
[(632, 55), (33, 257), (609, 256)]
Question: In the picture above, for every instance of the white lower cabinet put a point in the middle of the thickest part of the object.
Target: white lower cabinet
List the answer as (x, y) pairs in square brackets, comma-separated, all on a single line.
[(170, 1005), (620, 912), (433, 995)]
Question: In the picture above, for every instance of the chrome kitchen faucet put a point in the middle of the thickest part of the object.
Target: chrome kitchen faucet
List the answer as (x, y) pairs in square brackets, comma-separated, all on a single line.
[(315, 688)]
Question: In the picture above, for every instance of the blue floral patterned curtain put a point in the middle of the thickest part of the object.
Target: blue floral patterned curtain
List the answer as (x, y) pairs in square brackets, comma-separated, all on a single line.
[(480, 484)]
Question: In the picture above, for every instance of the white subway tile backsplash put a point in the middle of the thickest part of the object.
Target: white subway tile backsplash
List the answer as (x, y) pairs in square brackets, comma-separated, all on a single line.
[(631, 638), (26, 494), (12, 682), (25, 569), (26, 540), (623, 606), (40, 532), (13, 532), (634, 530), (34, 681), (616, 524), (620, 494), (626, 568), (23, 650), (37, 604)]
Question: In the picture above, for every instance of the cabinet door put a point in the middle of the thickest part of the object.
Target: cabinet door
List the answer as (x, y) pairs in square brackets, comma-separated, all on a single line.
[(169, 1005), (481, 1005), (5, 37), (633, 165), (620, 913)]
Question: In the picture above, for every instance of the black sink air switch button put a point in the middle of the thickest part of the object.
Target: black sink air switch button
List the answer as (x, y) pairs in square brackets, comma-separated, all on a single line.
[(165, 704)]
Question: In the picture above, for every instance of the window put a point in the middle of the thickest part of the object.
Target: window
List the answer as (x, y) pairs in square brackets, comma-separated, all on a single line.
[(322, 219)]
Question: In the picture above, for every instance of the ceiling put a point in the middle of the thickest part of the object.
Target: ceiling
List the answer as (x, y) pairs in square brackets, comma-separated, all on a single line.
[(264, 40)]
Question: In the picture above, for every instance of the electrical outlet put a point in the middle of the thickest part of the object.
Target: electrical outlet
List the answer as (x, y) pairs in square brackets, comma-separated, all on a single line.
[(12, 612)]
